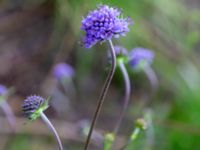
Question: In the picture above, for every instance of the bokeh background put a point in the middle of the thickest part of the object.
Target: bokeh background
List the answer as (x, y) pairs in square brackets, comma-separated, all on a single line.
[(37, 34)]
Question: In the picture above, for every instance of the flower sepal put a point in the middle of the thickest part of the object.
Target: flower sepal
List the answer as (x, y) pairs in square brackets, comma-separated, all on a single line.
[(122, 59), (39, 110)]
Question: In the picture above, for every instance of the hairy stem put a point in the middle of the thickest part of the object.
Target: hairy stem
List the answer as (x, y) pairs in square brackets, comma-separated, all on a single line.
[(103, 94), (51, 127)]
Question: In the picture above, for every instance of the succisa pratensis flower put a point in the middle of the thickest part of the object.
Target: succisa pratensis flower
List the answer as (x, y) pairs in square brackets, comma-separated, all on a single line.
[(63, 71), (101, 25), (33, 108), (139, 58)]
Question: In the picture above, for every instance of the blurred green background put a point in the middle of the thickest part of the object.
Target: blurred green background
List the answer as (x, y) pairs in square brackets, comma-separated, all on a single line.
[(37, 34)]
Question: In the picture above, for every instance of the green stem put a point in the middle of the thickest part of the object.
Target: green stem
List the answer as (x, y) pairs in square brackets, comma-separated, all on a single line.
[(134, 134), (133, 137), (103, 94)]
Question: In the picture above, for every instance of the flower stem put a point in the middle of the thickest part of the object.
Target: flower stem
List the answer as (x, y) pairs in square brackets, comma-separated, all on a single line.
[(150, 133), (135, 134), (9, 115), (51, 127), (103, 94), (152, 78), (126, 95), (125, 98), (133, 137)]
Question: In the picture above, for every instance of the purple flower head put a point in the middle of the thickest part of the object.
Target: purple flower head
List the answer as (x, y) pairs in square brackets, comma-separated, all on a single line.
[(31, 105), (3, 90), (63, 71), (140, 57), (102, 24)]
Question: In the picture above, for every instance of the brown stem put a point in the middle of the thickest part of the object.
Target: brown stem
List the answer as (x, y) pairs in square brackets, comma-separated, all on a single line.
[(103, 94)]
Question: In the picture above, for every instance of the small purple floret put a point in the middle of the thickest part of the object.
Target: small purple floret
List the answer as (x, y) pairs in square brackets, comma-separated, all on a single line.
[(63, 71), (140, 55), (3, 89), (31, 104), (102, 24)]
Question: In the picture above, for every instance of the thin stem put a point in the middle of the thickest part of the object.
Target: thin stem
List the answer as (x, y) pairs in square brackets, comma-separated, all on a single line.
[(150, 133), (63, 87), (133, 137), (103, 94), (126, 95), (9, 114), (68, 87), (134, 134), (51, 127), (152, 78)]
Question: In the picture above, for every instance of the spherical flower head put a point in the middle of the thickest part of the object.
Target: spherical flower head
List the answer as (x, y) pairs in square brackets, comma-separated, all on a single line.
[(102, 24), (63, 71), (33, 106), (3, 90), (139, 58)]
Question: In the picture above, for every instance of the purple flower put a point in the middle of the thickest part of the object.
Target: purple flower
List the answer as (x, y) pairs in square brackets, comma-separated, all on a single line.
[(3, 90), (102, 24), (31, 105), (140, 57), (63, 71)]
